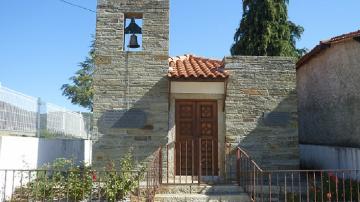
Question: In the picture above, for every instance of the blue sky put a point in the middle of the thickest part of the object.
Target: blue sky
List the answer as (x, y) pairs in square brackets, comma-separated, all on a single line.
[(42, 41)]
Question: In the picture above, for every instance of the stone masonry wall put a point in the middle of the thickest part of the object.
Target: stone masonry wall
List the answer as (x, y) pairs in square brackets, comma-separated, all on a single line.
[(329, 97), (261, 109), (131, 90)]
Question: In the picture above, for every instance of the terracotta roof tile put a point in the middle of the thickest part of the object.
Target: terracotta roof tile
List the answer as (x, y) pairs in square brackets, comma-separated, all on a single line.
[(193, 67), (343, 37), (325, 44)]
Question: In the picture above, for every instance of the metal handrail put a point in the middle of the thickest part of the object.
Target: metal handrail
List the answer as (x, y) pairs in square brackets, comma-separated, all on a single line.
[(56, 184), (184, 168), (296, 185)]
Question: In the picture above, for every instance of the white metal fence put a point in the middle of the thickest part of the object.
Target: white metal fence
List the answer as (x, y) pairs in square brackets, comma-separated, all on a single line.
[(24, 115)]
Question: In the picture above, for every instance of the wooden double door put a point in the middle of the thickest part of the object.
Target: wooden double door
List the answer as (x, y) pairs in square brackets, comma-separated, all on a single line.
[(196, 146)]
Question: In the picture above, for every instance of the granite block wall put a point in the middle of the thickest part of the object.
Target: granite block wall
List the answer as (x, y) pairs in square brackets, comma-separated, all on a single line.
[(131, 90), (261, 109)]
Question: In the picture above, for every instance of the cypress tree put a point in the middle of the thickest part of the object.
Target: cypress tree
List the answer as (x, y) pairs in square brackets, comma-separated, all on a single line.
[(266, 31)]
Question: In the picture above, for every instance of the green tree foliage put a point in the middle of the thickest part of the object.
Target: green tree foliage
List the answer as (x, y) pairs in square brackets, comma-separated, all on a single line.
[(80, 91), (266, 31)]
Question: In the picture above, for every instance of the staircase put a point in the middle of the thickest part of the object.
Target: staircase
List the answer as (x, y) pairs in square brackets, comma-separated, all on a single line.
[(199, 193)]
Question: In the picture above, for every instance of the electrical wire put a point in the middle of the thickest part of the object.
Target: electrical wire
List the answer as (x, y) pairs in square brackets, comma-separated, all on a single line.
[(78, 6)]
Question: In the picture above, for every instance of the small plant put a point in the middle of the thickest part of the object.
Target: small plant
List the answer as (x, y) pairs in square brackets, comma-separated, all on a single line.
[(79, 183), (61, 179), (120, 182)]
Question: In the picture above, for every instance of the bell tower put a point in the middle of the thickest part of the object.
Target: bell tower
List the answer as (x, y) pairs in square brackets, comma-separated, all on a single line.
[(130, 86)]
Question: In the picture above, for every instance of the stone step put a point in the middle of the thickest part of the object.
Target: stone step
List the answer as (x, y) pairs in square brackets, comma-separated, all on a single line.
[(197, 193), (242, 197), (200, 189)]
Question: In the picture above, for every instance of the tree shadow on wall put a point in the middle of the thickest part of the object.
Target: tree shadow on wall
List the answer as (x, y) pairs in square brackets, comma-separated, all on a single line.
[(73, 149), (140, 125), (273, 141)]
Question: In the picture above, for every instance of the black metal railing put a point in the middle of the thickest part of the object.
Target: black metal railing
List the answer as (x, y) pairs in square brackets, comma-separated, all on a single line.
[(82, 184), (68, 185), (153, 175), (296, 185), (195, 161)]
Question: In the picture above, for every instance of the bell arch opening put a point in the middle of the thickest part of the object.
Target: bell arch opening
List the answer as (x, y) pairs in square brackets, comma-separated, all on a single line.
[(133, 32)]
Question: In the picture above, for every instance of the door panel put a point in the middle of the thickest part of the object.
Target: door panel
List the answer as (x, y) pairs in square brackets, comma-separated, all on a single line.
[(207, 131), (196, 135), (185, 131)]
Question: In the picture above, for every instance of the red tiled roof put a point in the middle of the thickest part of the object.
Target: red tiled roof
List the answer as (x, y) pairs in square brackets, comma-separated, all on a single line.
[(344, 36), (325, 44), (193, 67)]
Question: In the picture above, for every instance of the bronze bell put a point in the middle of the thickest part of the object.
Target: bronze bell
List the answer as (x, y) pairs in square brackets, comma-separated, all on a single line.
[(133, 28), (133, 42)]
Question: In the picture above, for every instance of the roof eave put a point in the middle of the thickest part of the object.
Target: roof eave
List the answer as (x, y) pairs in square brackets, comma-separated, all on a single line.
[(197, 79), (322, 46)]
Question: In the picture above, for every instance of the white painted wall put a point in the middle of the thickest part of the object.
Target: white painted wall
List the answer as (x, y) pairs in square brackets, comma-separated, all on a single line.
[(198, 87), (31, 153), (327, 157), (18, 152), (87, 151)]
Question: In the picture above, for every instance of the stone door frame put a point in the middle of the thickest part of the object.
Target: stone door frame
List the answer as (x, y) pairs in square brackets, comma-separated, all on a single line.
[(201, 131), (219, 98)]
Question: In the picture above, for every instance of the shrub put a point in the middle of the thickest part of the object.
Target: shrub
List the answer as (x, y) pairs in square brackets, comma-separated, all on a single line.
[(119, 182), (61, 179)]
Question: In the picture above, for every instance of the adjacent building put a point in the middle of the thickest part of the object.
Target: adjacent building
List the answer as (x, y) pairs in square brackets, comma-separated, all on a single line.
[(328, 89)]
